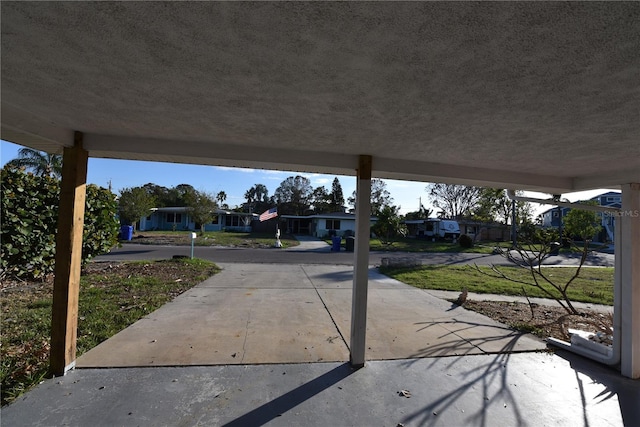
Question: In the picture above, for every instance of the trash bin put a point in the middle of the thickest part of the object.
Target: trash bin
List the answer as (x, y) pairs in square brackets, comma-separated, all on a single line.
[(350, 243), (336, 240), (554, 248), (126, 232)]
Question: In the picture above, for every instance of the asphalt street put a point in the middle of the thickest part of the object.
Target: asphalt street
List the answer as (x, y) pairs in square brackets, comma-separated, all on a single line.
[(323, 255)]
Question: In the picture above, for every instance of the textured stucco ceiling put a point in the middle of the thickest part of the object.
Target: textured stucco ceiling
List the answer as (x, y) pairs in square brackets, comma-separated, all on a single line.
[(524, 95)]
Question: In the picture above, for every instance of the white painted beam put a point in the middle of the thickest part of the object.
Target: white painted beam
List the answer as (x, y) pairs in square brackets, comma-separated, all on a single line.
[(361, 264), (629, 253), (25, 128)]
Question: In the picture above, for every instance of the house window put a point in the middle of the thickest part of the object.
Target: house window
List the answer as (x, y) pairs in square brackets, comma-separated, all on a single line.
[(613, 199), (332, 224), (555, 214), (174, 217), (149, 218), (231, 221)]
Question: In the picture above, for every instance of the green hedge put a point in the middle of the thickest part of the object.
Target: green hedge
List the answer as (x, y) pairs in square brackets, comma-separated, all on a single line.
[(29, 223)]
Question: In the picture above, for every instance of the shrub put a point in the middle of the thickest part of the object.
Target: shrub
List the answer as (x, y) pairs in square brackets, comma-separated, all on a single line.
[(30, 218), (465, 241), (101, 226), (389, 226)]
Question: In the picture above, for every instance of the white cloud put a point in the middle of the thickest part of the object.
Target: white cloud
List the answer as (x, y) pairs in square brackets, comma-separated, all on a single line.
[(230, 169)]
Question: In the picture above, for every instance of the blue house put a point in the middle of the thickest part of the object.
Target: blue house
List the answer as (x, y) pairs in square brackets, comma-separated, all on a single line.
[(553, 217), (178, 218)]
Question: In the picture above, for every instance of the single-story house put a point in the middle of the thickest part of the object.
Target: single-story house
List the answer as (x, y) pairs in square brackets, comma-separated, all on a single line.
[(321, 225), (485, 231), (178, 218)]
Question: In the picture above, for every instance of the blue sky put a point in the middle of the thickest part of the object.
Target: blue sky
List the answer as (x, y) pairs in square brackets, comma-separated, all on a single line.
[(235, 181)]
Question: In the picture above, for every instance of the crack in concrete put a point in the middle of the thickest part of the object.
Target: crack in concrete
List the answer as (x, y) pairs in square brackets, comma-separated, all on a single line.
[(326, 309), (246, 334)]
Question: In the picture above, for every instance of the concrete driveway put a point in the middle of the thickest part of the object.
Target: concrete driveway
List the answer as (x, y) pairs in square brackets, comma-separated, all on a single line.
[(273, 313)]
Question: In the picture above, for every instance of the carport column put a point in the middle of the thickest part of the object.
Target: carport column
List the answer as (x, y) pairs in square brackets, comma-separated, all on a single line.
[(66, 285), (628, 249), (361, 264)]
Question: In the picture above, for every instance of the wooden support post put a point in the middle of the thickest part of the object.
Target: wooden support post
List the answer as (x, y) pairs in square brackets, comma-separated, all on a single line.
[(66, 285), (361, 265), (628, 250)]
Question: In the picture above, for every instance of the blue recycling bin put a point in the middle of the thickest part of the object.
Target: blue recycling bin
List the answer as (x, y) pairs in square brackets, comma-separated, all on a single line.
[(335, 247), (126, 232)]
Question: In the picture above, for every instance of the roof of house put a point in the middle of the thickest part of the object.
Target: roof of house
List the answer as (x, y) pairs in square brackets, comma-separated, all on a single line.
[(181, 209), (335, 215)]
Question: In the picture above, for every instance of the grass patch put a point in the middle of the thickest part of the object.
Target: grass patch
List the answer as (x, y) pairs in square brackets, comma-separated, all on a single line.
[(594, 285), (112, 297), (424, 245), (213, 238)]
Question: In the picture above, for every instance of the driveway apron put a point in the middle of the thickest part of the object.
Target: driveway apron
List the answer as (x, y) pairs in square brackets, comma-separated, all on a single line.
[(273, 313)]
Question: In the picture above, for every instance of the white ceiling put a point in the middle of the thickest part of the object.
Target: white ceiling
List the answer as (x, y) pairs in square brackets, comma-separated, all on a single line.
[(542, 96)]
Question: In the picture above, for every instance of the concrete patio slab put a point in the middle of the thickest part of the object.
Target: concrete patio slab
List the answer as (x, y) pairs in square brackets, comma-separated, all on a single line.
[(267, 313), (527, 389)]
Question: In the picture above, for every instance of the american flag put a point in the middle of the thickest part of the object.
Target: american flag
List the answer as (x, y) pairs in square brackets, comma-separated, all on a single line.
[(268, 214)]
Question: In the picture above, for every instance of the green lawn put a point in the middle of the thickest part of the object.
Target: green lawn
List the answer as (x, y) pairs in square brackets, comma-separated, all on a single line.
[(213, 238), (593, 285), (423, 245)]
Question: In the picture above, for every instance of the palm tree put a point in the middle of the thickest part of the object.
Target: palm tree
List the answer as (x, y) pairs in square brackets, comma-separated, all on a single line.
[(42, 164), (221, 197)]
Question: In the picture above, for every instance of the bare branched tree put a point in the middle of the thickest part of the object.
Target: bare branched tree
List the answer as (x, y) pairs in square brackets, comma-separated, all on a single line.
[(455, 200), (541, 244)]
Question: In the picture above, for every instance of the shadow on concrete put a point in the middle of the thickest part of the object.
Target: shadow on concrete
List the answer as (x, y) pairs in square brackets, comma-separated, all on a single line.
[(626, 390), (346, 275), (286, 402), (488, 381), (465, 345), (480, 381)]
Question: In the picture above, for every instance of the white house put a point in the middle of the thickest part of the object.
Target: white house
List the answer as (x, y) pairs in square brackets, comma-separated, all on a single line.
[(322, 225)]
